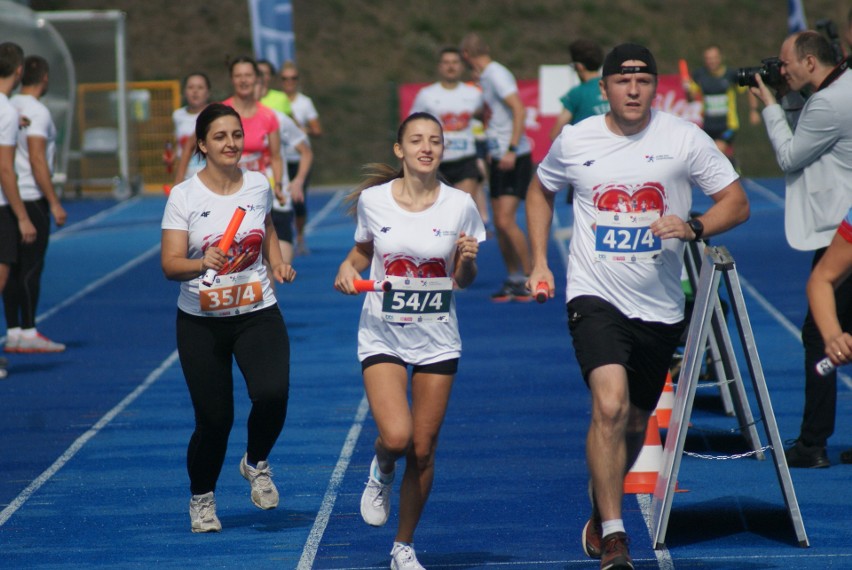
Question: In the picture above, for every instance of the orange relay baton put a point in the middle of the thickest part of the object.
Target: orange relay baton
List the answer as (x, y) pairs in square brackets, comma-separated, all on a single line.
[(226, 241)]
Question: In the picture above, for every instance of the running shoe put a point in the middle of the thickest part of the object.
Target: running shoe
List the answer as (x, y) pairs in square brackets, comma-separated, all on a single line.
[(520, 293), (202, 513), (404, 558), (504, 295), (376, 500), (39, 343), (264, 495), (12, 343), (592, 535), (616, 553)]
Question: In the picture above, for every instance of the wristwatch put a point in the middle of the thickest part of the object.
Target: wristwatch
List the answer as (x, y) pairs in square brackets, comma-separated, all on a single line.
[(697, 228), (513, 148)]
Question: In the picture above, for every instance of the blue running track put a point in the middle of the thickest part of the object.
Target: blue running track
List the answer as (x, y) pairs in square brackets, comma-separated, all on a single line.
[(92, 441)]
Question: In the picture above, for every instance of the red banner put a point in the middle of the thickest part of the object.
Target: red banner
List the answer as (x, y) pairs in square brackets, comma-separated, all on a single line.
[(670, 98)]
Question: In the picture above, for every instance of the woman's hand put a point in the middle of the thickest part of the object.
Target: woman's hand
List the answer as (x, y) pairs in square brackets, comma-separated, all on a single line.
[(345, 277), (283, 273)]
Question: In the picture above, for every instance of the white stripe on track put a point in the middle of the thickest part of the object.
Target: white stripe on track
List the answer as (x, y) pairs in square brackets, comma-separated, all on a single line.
[(98, 282), (78, 444), (63, 232), (332, 203), (750, 184), (312, 544)]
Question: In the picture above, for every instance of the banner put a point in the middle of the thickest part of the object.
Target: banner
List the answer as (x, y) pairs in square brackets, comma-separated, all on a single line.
[(272, 30), (796, 21), (670, 98)]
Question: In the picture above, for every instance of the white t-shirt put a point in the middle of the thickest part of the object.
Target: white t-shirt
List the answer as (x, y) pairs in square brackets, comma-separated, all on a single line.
[(204, 215), (497, 83), (622, 183), (455, 109), (418, 245), (184, 122), (291, 134), (9, 124), (37, 123), (303, 111)]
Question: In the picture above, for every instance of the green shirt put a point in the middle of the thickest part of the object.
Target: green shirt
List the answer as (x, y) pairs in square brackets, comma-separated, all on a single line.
[(278, 101)]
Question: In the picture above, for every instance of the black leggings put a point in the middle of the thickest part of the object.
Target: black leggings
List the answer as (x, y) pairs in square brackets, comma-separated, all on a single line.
[(20, 296), (207, 346)]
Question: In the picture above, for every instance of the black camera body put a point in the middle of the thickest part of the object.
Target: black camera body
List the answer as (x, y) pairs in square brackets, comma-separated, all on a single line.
[(769, 71)]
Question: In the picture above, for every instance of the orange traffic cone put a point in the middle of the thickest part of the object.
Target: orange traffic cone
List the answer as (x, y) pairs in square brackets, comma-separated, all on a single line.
[(666, 403), (642, 477)]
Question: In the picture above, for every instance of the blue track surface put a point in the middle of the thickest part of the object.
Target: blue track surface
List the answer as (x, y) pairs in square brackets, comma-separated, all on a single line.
[(93, 440)]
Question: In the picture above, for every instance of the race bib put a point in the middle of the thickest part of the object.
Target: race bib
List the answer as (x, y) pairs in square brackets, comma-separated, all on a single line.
[(417, 300), (626, 237), (231, 294)]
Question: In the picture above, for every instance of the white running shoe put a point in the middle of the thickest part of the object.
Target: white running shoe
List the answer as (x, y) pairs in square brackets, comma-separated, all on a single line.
[(264, 495), (13, 341), (403, 558), (376, 499), (202, 513), (39, 343)]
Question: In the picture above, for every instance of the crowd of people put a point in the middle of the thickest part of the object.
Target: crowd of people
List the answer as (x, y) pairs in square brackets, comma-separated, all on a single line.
[(250, 157)]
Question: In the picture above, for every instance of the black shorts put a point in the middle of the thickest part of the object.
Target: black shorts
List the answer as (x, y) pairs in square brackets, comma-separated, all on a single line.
[(604, 335), (511, 182), (283, 222), (455, 171), (445, 367), (299, 208), (9, 236)]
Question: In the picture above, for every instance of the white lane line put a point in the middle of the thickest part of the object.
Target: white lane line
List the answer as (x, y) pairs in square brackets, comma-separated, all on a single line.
[(98, 282), (312, 544), (78, 444), (332, 203), (763, 191), (92, 220)]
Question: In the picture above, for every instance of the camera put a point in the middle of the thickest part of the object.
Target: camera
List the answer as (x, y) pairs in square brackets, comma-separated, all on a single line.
[(770, 72)]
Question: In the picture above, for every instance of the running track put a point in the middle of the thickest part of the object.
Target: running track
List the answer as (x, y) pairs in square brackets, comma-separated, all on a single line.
[(93, 440)]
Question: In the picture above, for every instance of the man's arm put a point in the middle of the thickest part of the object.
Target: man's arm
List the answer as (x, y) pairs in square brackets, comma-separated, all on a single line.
[(730, 209), (516, 106), (41, 172), (539, 206), (563, 119)]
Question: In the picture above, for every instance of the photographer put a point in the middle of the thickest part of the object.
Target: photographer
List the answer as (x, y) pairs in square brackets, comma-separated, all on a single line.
[(817, 163)]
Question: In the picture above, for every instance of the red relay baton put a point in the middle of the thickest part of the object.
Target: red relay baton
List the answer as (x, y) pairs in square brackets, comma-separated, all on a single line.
[(542, 292), (370, 285), (226, 241)]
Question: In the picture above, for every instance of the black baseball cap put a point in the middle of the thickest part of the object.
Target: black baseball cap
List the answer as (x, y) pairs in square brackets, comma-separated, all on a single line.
[(627, 52)]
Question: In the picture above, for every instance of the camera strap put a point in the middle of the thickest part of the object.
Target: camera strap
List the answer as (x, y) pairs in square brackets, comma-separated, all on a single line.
[(835, 73)]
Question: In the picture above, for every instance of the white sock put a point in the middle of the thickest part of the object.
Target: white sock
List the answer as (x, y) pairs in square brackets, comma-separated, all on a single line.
[(609, 527), (379, 475), (29, 333)]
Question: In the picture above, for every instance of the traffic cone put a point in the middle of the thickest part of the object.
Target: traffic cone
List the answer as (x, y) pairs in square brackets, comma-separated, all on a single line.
[(642, 477), (666, 403)]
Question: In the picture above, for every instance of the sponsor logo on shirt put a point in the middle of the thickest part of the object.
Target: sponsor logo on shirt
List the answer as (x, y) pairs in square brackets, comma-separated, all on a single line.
[(385, 229)]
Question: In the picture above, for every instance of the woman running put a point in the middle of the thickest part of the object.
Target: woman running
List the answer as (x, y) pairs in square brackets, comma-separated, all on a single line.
[(423, 236), (236, 317)]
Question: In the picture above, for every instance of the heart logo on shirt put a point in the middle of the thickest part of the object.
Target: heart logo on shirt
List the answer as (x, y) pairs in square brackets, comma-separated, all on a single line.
[(626, 198), (243, 253), (403, 265)]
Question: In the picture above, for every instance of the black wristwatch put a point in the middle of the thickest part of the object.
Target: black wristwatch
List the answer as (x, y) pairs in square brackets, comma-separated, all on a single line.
[(697, 228), (513, 148)]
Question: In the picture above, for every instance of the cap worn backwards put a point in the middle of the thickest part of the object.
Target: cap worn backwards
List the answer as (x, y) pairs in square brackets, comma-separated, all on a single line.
[(614, 62)]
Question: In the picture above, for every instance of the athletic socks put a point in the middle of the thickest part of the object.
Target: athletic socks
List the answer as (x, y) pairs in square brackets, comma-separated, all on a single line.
[(609, 527)]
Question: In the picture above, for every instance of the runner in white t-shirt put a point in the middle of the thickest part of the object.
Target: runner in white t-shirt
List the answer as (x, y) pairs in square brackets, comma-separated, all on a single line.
[(456, 104), (632, 171), (196, 92), (292, 189), (33, 165), (15, 224), (234, 317), (306, 116), (423, 236), (510, 163)]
